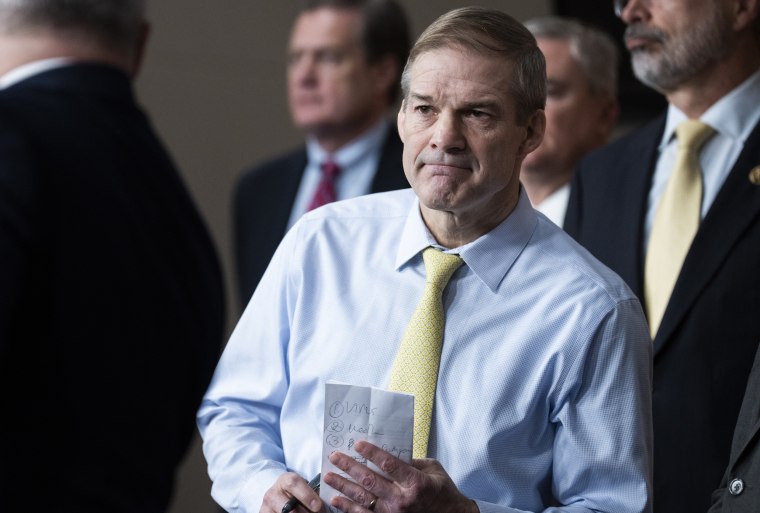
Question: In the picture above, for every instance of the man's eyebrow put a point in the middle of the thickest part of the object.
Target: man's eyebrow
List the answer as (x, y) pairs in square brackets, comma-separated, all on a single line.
[(493, 106), (481, 105), (420, 97)]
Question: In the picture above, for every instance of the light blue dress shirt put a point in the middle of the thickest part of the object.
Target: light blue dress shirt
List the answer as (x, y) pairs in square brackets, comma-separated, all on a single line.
[(544, 388)]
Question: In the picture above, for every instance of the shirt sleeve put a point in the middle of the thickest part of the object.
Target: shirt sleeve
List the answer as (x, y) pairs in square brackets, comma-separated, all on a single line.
[(240, 414), (603, 422)]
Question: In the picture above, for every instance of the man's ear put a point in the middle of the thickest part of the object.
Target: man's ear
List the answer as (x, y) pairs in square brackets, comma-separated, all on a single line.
[(609, 111), (745, 13), (400, 119), (535, 128)]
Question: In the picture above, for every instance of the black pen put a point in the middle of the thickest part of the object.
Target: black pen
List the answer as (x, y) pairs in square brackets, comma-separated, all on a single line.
[(293, 502)]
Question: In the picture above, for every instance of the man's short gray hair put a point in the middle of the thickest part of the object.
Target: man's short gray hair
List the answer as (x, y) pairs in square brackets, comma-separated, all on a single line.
[(594, 50), (116, 24), (489, 32)]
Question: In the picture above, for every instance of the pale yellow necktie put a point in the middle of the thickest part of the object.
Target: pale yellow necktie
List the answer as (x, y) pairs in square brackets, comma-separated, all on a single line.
[(415, 370), (675, 222)]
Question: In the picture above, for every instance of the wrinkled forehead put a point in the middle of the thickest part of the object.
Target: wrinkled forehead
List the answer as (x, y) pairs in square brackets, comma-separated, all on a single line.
[(457, 64), (456, 78)]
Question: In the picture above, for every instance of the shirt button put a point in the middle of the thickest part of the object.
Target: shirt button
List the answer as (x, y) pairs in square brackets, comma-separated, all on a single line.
[(736, 487)]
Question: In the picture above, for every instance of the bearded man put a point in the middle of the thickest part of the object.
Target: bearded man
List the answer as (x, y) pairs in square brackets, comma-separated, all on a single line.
[(682, 227)]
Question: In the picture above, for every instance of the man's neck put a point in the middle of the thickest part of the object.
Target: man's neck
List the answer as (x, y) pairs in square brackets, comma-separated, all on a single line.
[(24, 49), (454, 229), (540, 185), (703, 90)]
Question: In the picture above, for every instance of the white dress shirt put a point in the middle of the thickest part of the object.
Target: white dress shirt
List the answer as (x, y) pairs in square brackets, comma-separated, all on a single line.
[(554, 205), (30, 69)]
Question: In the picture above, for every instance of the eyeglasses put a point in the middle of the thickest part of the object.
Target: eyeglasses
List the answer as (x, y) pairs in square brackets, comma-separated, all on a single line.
[(619, 7)]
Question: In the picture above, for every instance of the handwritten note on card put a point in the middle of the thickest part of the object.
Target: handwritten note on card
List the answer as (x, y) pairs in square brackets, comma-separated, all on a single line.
[(353, 413)]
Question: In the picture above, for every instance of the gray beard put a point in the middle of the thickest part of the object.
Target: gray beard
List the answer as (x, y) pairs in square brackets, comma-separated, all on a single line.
[(658, 72), (680, 56)]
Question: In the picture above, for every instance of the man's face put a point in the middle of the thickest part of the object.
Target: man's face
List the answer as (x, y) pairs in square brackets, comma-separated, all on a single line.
[(577, 120), (462, 145), (330, 85), (672, 41)]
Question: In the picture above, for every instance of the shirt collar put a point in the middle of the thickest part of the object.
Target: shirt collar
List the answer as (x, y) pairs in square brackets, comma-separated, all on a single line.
[(352, 152), (490, 256), (733, 116), (30, 69)]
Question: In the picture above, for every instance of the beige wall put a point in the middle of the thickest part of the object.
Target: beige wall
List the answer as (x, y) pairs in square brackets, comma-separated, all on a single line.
[(214, 84)]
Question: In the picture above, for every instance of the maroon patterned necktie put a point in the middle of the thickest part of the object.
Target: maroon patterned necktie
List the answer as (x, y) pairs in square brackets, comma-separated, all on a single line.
[(326, 189)]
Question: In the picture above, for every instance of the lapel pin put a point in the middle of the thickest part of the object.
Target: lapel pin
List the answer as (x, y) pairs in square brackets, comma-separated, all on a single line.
[(754, 175)]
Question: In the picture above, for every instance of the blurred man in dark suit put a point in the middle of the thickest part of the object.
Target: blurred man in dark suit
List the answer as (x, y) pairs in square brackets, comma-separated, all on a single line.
[(344, 64), (674, 209), (111, 303)]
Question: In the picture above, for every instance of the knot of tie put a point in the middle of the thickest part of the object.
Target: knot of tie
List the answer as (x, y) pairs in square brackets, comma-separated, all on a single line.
[(439, 267), (692, 134), (330, 169), (326, 192)]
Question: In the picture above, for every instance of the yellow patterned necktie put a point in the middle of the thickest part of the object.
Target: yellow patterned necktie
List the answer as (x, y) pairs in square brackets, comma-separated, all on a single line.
[(675, 222), (415, 370)]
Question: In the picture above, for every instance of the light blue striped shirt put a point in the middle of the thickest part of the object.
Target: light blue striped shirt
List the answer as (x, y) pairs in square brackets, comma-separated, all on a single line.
[(543, 397)]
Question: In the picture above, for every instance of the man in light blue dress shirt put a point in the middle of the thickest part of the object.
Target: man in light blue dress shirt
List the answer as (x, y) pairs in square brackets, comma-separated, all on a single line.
[(543, 394)]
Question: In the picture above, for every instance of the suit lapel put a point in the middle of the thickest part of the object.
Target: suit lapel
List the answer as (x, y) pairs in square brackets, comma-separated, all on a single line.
[(390, 174), (735, 208), (291, 177), (748, 424), (633, 192)]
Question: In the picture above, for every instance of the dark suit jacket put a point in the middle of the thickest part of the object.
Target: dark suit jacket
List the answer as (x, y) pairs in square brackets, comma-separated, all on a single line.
[(111, 304), (740, 488), (264, 199), (708, 336)]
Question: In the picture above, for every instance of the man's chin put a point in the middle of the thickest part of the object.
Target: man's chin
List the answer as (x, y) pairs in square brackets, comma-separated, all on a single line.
[(309, 124), (440, 200), (648, 70), (310, 118)]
